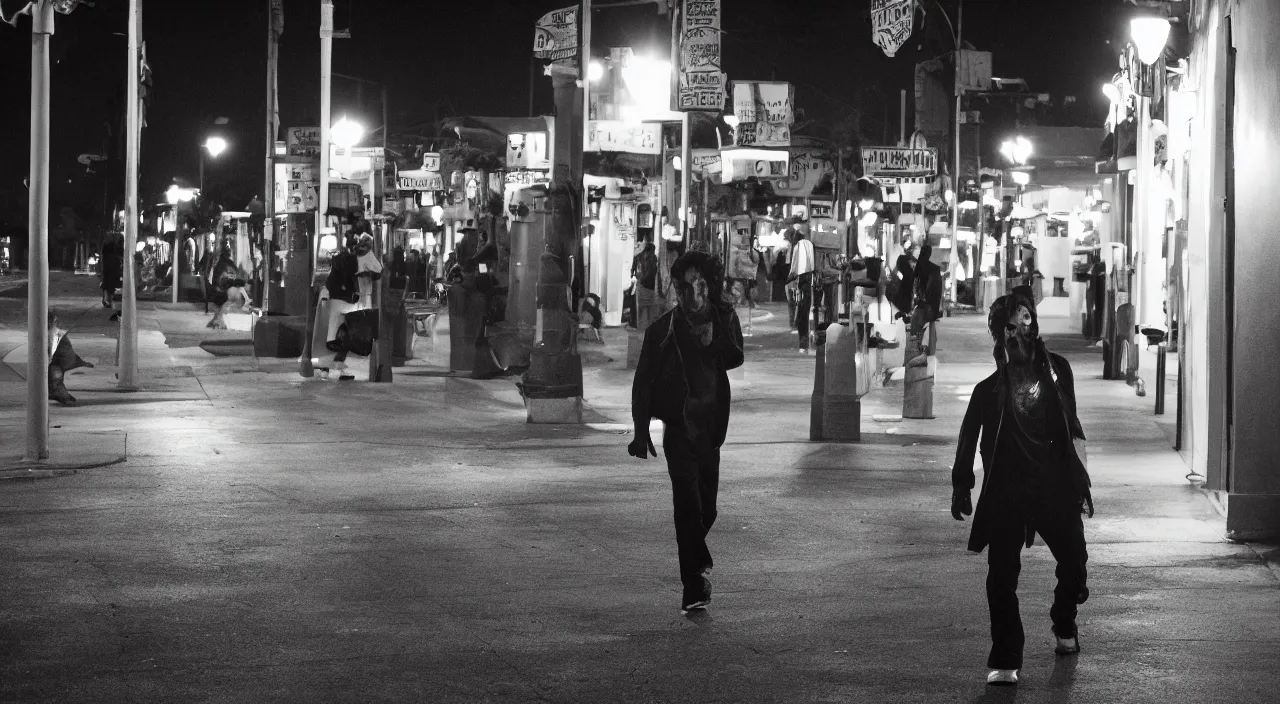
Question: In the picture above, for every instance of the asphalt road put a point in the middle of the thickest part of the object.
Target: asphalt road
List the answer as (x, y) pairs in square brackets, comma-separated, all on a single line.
[(278, 539)]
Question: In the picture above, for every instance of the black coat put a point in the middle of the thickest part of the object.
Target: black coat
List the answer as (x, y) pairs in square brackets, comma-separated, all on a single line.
[(928, 281), (903, 298), (671, 361), (986, 414), (341, 281), (112, 265)]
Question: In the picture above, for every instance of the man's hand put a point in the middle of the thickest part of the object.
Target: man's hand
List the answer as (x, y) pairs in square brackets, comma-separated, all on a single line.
[(639, 445), (961, 504)]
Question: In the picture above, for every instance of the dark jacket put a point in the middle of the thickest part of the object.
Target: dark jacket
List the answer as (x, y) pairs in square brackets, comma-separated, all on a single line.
[(928, 281), (341, 281), (672, 362), (112, 265), (903, 297), (986, 414)]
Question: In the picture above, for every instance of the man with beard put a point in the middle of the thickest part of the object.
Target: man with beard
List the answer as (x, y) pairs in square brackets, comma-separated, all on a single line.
[(1034, 480), (681, 380)]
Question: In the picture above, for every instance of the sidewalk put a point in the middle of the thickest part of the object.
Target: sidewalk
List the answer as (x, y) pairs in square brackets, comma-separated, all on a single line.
[(278, 539)]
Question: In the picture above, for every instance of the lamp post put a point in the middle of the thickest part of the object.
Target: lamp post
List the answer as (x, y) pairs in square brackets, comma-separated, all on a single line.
[(1016, 151), (42, 13), (305, 367), (214, 146), (346, 133), (1149, 34)]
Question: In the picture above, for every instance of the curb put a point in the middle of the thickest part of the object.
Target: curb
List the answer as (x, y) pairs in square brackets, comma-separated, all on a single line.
[(44, 470), (19, 469)]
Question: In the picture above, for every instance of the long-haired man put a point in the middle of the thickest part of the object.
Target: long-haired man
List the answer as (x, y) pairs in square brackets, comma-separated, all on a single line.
[(681, 380), (1034, 479)]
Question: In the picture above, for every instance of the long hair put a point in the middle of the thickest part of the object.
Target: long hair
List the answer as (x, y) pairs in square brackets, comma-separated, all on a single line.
[(998, 317), (712, 271)]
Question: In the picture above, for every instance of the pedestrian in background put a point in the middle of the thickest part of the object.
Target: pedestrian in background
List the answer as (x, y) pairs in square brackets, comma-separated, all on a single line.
[(112, 269), (1034, 480), (903, 295), (681, 380), (802, 266), (928, 283)]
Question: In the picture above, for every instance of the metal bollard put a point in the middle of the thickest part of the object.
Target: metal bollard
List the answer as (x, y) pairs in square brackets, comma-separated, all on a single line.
[(1161, 350)]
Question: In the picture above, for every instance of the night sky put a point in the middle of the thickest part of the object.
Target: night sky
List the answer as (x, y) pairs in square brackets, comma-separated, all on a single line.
[(473, 58)]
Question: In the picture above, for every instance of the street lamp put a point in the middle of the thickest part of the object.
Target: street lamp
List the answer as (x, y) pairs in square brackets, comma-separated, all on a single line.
[(214, 146), (1017, 150), (347, 133), (1149, 35)]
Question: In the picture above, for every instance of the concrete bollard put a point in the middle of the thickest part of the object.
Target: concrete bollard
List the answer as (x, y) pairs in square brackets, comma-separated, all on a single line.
[(635, 342), (841, 404), (819, 387), (920, 366)]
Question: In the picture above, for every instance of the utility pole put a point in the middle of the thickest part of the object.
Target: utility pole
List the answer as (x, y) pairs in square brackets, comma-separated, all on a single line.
[(955, 186), (38, 250), (275, 22), (553, 382), (127, 364), (326, 79), (305, 367)]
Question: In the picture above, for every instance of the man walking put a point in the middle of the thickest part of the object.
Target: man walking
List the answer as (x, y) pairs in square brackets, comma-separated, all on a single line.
[(802, 267), (1034, 480), (928, 283), (681, 380)]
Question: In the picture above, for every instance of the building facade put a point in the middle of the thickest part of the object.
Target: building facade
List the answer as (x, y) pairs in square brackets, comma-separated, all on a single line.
[(1205, 199)]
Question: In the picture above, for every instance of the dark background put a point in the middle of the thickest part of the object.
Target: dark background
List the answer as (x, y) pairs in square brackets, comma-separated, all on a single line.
[(473, 58)]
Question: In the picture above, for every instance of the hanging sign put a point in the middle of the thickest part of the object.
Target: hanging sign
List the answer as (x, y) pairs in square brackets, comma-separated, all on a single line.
[(525, 177), (303, 142), (555, 36), (765, 111), (806, 171), (899, 161), (741, 169), (616, 136), (431, 161), (700, 85), (419, 180), (820, 209), (706, 161), (528, 150), (891, 22)]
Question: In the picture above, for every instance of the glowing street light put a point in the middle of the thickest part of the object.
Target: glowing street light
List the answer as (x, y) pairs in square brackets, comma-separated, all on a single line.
[(1149, 35), (177, 194), (649, 82), (1112, 93), (347, 133), (595, 71), (1021, 178), (215, 146), (1017, 150)]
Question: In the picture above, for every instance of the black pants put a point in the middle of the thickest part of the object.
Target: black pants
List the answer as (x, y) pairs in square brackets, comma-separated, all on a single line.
[(1060, 526), (695, 480), (804, 308)]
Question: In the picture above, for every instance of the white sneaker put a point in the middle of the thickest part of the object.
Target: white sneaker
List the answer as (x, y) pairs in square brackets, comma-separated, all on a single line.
[(1001, 678)]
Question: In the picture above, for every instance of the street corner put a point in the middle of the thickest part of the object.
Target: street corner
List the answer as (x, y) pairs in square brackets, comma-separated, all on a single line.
[(69, 453)]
